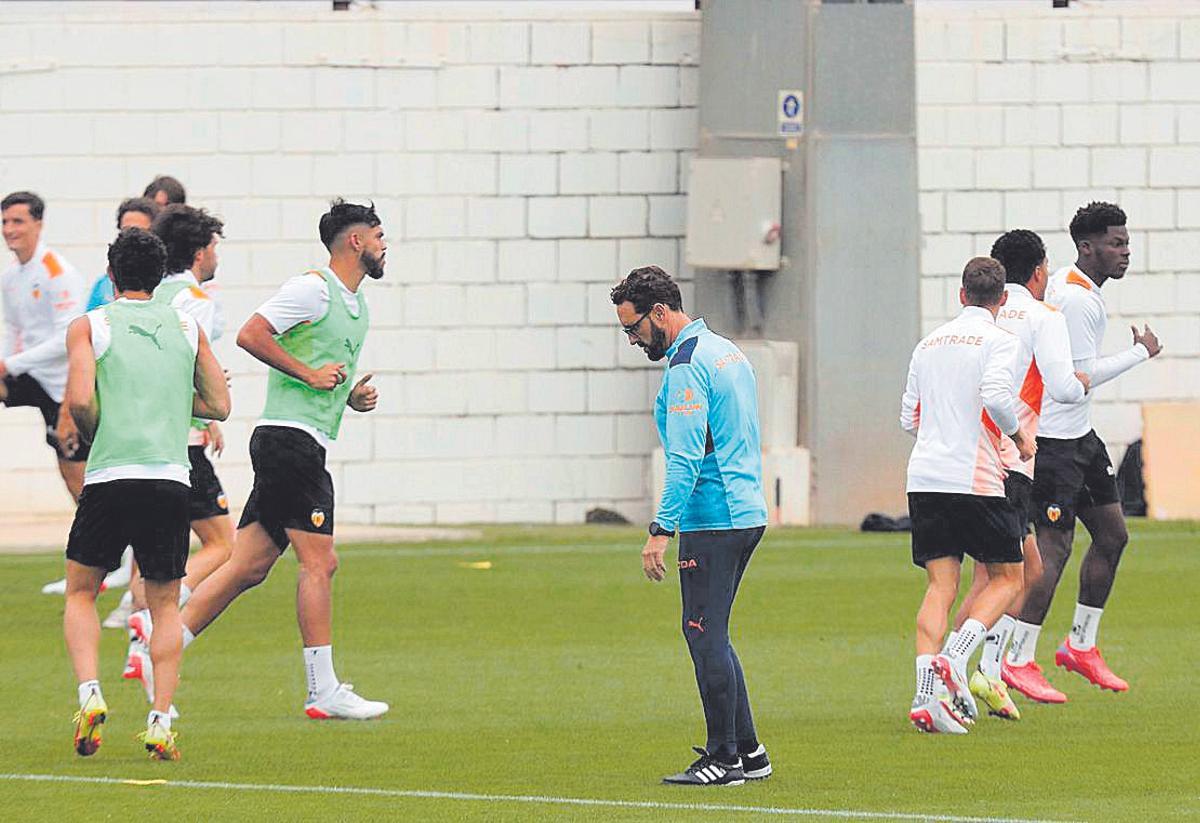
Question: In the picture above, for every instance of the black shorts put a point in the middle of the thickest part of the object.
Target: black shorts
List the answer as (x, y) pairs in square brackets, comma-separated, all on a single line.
[(1070, 476), (25, 391), (951, 525), (149, 515), (1018, 489), (207, 498), (292, 489)]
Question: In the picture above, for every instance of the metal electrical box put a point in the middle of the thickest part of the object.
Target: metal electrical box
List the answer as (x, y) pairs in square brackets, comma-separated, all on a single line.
[(734, 213)]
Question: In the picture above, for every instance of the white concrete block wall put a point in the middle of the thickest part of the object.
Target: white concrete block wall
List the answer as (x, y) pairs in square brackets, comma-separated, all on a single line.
[(1025, 113), (520, 165)]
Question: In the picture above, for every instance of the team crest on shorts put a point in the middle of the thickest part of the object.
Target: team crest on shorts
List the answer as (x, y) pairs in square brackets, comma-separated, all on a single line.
[(317, 517), (1053, 513), (222, 501)]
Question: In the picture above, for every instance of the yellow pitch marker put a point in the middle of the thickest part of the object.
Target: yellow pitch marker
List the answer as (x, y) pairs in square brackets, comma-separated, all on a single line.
[(475, 564)]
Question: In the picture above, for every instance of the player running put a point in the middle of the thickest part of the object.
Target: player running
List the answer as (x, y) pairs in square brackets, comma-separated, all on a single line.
[(1074, 475), (190, 236), (139, 370), (707, 413), (310, 334), (1044, 365), (959, 401), (42, 295), (135, 212)]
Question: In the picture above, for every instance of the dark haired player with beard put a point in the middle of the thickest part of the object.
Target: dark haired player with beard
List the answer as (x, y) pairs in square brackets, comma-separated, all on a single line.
[(707, 415), (1074, 477), (310, 334)]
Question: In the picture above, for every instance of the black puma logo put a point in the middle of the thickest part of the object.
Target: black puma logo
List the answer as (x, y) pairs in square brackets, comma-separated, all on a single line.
[(151, 336), (350, 347)]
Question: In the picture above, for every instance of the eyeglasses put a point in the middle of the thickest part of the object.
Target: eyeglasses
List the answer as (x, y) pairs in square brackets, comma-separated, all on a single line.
[(632, 328)]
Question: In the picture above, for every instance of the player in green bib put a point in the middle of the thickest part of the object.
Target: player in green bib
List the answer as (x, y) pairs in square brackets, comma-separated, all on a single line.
[(138, 370), (310, 334)]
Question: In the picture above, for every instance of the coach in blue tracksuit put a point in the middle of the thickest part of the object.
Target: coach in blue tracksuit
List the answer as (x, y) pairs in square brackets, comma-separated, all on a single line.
[(707, 415)]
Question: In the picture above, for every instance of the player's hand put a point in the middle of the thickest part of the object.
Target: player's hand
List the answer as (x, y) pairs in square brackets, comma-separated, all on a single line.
[(652, 557), (1084, 378), (328, 377), (67, 433), (1148, 339), (216, 439), (363, 397), (3, 370), (1026, 445)]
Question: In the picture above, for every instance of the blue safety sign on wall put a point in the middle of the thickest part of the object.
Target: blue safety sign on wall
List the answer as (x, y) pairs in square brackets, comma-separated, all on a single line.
[(791, 112)]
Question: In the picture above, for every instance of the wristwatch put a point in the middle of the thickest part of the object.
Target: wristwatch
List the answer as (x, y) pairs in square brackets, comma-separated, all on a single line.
[(658, 531)]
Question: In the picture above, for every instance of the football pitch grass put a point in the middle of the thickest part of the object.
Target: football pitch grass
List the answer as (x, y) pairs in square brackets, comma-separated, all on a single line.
[(537, 665)]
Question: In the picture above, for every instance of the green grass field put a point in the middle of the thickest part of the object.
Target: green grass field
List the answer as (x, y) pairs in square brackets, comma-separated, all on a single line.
[(560, 672)]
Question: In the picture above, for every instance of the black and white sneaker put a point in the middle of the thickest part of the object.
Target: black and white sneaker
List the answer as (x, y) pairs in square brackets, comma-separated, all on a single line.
[(756, 765), (709, 771)]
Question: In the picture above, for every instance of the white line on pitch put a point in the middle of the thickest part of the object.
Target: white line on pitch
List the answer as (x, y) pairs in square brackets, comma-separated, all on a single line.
[(513, 798)]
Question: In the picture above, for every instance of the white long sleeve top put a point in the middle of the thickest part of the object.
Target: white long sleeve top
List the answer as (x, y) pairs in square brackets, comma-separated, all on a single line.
[(958, 401)]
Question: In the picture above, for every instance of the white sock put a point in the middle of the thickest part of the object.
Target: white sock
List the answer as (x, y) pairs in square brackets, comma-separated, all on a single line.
[(318, 663), (1084, 627), (188, 637), (126, 599), (963, 643), (184, 594), (162, 718), (85, 690), (1024, 643), (925, 678), (993, 646)]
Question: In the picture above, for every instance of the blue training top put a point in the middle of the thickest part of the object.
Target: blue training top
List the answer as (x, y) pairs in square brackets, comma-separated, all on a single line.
[(707, 416), (102, 293)]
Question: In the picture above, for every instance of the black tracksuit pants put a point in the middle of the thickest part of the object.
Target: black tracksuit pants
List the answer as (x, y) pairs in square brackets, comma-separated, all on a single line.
[(711, 565)]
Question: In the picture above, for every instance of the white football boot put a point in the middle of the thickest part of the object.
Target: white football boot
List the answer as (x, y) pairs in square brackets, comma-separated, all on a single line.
[(344, 704), (935, 716)]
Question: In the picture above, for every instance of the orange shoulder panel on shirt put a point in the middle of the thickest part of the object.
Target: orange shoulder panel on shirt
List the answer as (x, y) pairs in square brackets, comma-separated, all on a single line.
[(1032, 387), (199, 293), (51, 263), (1077, 279)]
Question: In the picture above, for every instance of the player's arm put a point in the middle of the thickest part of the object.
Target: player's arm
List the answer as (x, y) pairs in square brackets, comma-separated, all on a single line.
[(910, 402), (258, 337), (211, 399), (300, 300), (1052, 351), (67, 292), (80, 396), (12, 333), (687, 430), (996, 391), (1145, 345)]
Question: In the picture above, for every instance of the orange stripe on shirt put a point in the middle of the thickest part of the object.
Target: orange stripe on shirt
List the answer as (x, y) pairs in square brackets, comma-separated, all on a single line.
[(990, 426), (988, 479), (51, 263), (1077, 279), (1032, 388)]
